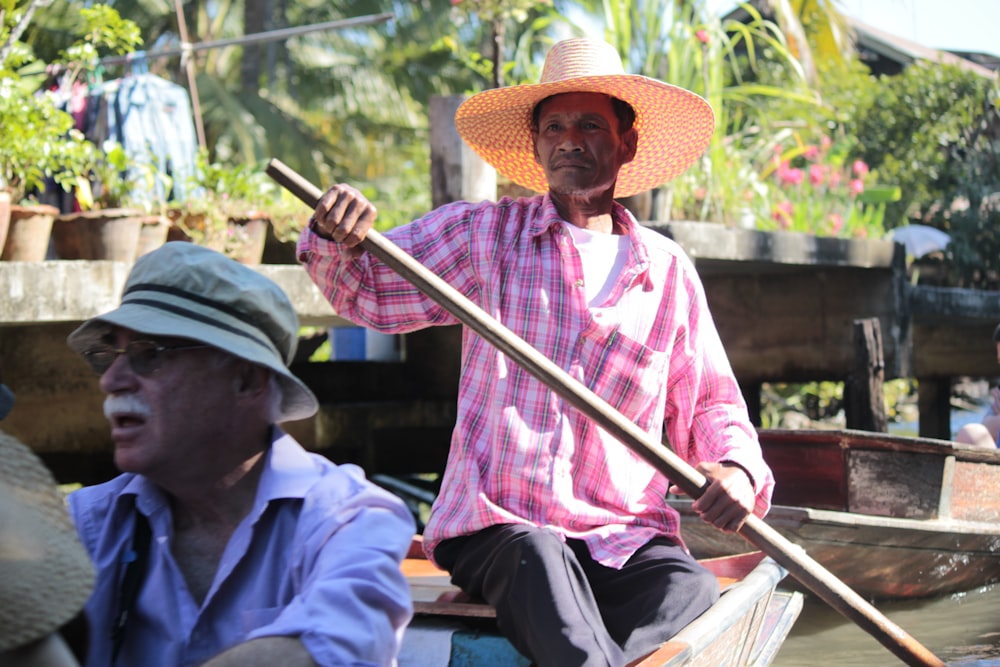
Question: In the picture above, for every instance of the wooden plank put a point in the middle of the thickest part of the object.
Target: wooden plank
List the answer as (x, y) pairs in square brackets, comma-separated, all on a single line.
[(896, 484), (886, 442), (796, 325), (947, 484), (434, 594), (810, 475), (975, 492), (879, 557)]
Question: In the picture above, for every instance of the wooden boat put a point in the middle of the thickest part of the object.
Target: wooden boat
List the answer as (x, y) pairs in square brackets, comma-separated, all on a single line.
[(892, 516), (745, 627)]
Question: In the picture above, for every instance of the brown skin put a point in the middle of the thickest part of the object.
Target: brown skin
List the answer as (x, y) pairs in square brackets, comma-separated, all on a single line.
[(203, 443), (579, 145)]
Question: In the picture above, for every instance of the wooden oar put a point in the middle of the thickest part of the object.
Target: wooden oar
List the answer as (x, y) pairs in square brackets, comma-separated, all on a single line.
[(793, 558)]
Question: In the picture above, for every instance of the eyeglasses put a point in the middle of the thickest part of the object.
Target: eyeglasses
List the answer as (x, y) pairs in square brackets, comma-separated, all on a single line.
[(144, 356)]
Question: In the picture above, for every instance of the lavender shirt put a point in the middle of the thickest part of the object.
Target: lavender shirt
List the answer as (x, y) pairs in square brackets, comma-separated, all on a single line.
[(316, 558)]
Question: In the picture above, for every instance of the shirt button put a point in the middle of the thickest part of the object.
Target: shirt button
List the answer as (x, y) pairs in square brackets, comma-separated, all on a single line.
[(578, 283)]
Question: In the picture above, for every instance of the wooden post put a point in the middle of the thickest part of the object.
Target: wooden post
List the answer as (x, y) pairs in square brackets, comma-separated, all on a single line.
[(457, 172), (752, 394), (934, 407), (865, 404)]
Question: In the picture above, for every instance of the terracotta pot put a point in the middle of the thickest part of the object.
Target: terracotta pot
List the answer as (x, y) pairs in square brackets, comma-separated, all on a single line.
[(152, 234), (4, 216), (108, 234), (245, 240), (29, 233)]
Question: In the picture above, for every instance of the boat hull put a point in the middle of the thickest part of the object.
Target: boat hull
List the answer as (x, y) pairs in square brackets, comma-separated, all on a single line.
[(893, 517), (879, 558)]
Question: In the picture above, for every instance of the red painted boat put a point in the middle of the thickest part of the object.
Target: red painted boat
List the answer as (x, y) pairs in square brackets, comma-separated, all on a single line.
[(892, 516)]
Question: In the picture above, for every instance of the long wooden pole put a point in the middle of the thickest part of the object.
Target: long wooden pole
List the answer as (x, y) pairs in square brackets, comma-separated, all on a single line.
[(792, 557)]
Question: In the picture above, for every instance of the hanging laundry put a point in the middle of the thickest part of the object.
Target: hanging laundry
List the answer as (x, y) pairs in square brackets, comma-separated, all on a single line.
[(151, 118)]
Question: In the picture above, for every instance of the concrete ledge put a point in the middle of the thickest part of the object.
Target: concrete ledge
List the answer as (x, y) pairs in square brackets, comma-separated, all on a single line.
[(75, 290), (712, 241)]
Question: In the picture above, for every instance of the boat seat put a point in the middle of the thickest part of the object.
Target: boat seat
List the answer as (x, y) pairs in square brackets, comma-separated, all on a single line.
[(449, 620)]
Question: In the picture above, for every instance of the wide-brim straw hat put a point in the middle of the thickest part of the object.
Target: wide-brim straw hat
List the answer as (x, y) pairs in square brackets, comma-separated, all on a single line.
[(674, 125), (45, 573), (184, 290)]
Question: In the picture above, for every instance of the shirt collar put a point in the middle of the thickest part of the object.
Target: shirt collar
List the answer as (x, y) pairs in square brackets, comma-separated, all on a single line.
[(289, 472), (548, 216)]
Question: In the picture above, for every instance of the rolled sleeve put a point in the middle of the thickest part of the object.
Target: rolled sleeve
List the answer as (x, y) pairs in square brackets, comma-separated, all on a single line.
[(353, 601)]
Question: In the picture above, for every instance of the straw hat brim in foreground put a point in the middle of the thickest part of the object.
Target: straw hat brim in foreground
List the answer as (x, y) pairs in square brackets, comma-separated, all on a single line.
[(45, 574)]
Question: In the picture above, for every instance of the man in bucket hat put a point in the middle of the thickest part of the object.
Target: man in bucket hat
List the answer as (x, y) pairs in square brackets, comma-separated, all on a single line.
[(543, 514), (224, 541)]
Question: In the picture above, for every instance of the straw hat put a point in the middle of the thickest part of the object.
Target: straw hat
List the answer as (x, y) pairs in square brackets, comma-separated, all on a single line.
[(188, 291), (45, 574), (674, 125)]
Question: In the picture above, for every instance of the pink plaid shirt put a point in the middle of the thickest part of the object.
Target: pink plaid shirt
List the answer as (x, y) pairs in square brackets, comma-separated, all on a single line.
[(519, 453)]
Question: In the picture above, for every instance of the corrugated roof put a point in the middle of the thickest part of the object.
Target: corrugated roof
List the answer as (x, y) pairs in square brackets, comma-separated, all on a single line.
[(906, 52)]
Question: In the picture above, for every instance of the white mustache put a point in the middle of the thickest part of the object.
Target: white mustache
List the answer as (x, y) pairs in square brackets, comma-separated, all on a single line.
[(126, 404)]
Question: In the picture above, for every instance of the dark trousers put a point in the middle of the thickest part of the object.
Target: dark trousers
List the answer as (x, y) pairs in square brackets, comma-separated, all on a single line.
[(559, 607)]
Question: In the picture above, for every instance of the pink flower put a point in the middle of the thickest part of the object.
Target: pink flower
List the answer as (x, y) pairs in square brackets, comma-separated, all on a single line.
[(859, 168), (700, 193), (789, 175), (811, 152), (817, 174), (836, 223), (826, 142), (702, 36), (783, 214), (857, 186), (834, 179)]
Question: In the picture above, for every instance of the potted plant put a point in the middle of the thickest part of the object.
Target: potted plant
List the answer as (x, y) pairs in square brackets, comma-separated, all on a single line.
[(39, 145), (122, 209), (226, 209)]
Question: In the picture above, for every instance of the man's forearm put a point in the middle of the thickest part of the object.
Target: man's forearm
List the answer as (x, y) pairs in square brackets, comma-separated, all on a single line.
[(269, 651)]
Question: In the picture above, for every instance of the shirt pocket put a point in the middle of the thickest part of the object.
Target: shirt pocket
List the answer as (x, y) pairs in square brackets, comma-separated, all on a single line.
[(628, 375)]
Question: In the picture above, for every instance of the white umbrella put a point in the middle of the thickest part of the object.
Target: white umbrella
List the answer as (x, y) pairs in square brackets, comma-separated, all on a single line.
[(919, 240)]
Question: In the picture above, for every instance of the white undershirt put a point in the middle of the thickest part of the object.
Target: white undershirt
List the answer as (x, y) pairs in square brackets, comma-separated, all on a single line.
[(603, 257)]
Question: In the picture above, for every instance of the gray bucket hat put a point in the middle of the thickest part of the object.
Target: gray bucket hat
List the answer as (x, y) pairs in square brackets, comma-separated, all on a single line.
[(188, 291)]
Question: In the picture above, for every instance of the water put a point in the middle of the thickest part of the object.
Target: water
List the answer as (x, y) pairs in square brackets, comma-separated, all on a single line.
[(962, 629)]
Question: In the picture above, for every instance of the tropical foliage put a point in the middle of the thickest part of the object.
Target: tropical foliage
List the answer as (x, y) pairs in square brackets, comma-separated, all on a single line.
[(348, 102), (40, 142)]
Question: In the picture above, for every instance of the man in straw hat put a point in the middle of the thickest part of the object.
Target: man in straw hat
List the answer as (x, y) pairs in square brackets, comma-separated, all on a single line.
[(543, 514), (224, 541)]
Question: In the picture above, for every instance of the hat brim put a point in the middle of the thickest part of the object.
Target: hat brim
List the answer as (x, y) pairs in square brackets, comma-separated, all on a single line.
[(46, 575), (298, 401), (674, 128)]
